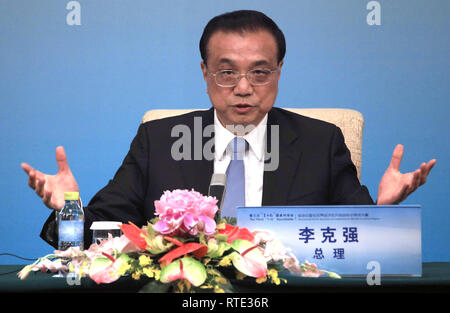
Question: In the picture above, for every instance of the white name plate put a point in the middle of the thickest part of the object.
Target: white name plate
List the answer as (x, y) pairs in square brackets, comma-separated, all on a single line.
[(347, 240)]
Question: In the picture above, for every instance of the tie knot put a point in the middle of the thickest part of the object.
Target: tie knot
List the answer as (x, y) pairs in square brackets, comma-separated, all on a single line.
[(238, 146)]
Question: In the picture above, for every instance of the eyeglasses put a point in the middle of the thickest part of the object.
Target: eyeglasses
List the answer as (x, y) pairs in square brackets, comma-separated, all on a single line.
[(256, 77)]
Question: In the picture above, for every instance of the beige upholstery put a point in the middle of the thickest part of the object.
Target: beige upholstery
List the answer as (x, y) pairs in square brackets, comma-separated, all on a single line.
[(351, 123)]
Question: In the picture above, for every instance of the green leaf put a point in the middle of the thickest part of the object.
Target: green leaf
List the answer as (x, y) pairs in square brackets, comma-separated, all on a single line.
[(202, 238), (150, 231), (217, 248), (158, 245), (221, 237), (230, 220)]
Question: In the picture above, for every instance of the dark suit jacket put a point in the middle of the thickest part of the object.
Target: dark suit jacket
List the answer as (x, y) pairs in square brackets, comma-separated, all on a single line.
[(315, 168)]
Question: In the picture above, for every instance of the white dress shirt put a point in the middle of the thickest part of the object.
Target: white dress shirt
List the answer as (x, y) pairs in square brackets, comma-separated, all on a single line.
[(253, 158)]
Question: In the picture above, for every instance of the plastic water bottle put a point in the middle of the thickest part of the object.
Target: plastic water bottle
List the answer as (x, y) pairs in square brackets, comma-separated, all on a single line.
[(71, 223)]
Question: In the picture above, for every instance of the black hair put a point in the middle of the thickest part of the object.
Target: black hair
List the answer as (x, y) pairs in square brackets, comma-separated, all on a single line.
[(239, 22)]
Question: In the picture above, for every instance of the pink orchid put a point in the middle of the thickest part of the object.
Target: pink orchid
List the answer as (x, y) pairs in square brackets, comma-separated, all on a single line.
[(292, 265), (169, 223), (195, 224), (42, 265), (262, 236), (48, 265), (274, 250), (311, 270), (72, 252)]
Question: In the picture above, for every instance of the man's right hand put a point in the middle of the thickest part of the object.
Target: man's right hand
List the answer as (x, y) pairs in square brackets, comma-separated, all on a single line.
[(51, 188)]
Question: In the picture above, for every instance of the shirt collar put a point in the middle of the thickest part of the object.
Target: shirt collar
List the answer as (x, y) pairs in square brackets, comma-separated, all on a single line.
[(255, 138)]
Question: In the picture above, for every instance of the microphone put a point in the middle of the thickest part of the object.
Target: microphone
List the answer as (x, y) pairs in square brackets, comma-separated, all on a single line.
[(217, 188)]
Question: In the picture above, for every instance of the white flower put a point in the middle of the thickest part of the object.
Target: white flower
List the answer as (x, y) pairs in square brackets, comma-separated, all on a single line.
[(275, 250)]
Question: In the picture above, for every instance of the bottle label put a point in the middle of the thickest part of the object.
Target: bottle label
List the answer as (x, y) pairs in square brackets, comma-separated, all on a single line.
[(71, 230)]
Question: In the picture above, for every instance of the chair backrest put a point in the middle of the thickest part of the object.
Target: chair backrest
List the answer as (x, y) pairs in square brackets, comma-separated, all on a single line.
[(351, 122)]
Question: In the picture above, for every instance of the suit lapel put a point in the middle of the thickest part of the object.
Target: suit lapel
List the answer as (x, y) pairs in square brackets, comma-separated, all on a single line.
[(277, 183), (197, 172)]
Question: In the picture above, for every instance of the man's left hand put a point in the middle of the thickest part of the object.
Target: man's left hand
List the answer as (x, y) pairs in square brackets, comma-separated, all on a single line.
[(394, 186)]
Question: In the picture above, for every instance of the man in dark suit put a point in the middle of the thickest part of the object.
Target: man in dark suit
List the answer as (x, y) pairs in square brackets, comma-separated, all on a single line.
[(242, 56)]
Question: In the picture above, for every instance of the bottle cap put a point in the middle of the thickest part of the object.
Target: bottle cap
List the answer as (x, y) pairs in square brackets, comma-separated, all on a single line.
[(71, 195)]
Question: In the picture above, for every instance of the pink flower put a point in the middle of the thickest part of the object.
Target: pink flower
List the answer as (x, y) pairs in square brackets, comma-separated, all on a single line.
[(72, 252), (262, 236), (310, 270), (169, 223), (306, 269), (23, 274), (43, 265), (291, 263), (114, 244), (274, 250), (183, 211), (195, 224)]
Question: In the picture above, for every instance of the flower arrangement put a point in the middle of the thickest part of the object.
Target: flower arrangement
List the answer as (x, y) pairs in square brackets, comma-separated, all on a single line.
[(183, 247)]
